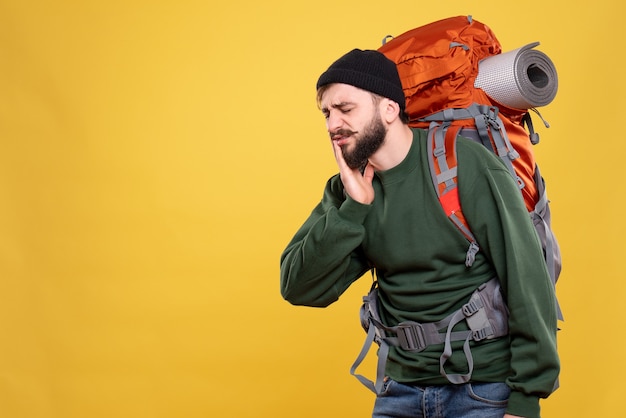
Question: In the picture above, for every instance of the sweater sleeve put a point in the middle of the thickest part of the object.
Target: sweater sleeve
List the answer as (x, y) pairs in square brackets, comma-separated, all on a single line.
[(509, 240), (324, 257)]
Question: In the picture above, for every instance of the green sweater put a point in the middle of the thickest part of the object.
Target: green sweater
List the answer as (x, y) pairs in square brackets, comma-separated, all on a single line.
[(419, 257)]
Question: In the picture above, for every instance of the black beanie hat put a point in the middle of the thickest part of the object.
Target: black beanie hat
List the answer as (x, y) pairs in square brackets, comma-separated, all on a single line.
[(368, 70)]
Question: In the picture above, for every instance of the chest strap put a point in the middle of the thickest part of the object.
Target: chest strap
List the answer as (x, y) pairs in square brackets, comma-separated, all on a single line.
[(485, 313)]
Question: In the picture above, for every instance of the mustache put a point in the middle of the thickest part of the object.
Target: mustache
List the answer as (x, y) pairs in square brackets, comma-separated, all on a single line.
[(342, 133)]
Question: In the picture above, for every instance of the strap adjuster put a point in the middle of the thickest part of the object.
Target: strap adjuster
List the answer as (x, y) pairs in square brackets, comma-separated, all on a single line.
[(439, 151), (483, 333), (411, 336), (471, 307)]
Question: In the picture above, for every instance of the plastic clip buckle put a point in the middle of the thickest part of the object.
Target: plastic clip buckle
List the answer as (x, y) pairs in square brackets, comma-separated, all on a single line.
[(411, 336), (481, 334), (439, 151), (471, 307)]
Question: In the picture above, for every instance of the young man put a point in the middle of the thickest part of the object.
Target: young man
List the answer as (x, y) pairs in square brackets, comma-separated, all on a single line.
[(381, 212)]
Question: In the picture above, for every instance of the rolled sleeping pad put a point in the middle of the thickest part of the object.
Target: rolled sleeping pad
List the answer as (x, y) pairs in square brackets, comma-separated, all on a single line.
[(522, 79)]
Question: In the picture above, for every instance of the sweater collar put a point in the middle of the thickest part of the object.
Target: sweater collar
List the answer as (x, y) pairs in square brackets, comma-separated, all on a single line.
[(406, 166)]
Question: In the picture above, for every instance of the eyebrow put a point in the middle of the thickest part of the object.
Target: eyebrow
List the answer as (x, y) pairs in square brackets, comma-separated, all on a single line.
[(337, 106)]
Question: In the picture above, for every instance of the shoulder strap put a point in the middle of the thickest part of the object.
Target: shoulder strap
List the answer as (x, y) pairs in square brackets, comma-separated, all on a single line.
[(490, 129), (443, 169)]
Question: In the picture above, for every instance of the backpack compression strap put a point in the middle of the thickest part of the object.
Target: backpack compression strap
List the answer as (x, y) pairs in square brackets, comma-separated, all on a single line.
[(541, 219), (443, 170)]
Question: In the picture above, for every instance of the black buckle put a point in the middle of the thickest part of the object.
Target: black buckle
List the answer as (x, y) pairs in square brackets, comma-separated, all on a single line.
[(411, 336)]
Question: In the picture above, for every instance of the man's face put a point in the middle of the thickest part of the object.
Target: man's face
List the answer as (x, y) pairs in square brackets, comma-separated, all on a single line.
[(353, 120)]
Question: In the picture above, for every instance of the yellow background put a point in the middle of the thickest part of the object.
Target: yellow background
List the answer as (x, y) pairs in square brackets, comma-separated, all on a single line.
[(157, 156)]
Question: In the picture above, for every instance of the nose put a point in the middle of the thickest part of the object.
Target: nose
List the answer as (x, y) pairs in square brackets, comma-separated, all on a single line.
[(333, 122)]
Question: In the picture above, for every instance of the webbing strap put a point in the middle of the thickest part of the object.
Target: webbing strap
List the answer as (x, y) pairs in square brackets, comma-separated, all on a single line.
[(448, 115), (441, 143), (485, 318), (383, 352), (540, 217), (447, 353), (487, 121), (446, 174)]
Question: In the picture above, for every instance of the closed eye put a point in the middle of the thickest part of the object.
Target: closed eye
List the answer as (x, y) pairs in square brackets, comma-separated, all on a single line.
[(344, 108)]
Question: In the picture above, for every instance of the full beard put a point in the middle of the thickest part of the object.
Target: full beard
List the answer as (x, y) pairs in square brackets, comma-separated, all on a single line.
[(369, 142)]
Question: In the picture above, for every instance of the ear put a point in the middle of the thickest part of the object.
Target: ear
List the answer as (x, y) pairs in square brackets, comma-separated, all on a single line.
[(389, 110)]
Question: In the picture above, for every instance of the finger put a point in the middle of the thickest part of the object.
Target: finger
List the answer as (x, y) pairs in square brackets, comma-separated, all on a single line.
[(341, 163), (368, 174), (337, 150)]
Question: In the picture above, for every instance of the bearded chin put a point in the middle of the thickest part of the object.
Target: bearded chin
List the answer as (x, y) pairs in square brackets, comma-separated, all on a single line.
[(369, 142)]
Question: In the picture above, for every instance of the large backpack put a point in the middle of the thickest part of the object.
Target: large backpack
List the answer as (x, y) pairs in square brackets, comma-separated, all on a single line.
[(457, 82), (451, 70)]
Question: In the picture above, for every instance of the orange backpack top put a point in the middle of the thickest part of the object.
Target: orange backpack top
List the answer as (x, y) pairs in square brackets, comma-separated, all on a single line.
[(432, 67), (438, 64)]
